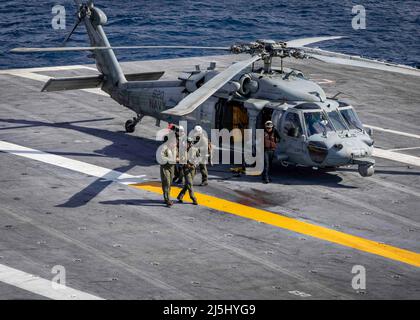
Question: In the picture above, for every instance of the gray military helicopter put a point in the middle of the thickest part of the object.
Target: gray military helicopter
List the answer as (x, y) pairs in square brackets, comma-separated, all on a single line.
[(316, 131)]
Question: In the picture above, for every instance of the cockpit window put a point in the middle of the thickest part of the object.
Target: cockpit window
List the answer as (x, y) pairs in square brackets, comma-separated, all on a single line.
[(314, 124), (337, 121), (292, 126), (351, 118)]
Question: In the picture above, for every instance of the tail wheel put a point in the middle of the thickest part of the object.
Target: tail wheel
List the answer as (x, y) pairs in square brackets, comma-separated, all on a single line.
[(130, 126)]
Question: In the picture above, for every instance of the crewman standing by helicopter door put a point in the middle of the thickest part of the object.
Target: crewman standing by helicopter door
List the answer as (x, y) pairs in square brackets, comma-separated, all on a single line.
[(189, 158), (169, 157), (271, 138), (205, 149)]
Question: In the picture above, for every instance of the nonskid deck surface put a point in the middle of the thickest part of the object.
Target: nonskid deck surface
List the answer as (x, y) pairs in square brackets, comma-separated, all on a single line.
[(78, 192)]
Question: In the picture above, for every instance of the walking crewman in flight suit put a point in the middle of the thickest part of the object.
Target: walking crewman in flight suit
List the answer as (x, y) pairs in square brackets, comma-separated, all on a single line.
[(188, 168), (169, 159)]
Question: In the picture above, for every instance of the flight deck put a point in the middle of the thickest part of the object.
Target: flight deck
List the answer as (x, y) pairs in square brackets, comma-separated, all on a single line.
[(77, 193)]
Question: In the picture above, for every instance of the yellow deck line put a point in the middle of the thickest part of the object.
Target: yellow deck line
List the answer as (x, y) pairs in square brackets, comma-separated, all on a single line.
[(274, 219)]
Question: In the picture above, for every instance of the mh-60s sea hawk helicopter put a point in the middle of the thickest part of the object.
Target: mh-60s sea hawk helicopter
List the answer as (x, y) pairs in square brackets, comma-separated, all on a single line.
[(316, 131)]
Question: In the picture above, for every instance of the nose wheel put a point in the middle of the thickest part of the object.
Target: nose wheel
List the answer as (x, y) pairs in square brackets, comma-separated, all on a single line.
[(130, 125), (366, 170)]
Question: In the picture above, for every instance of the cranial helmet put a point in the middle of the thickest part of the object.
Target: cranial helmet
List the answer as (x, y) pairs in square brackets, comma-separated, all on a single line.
[(268, 124), (198, 129)]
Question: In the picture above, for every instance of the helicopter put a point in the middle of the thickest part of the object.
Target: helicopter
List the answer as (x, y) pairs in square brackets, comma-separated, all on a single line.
[(315, 131)]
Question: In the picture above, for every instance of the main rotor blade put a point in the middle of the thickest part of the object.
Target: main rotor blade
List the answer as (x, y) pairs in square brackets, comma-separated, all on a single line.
[(345, 59), (296, 43), (196, 98), (62, 49), (356, 61)]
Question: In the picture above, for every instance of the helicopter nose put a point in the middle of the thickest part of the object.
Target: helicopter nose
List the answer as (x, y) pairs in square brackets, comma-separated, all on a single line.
[(341, 152), (344, 151), (359, 150), (358, 153)]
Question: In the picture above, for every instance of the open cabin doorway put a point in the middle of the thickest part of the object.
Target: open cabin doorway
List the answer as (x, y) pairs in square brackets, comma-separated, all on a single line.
[(263, 117), (232, 115)]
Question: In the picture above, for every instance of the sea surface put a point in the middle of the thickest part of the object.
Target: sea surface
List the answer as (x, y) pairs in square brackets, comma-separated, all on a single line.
[(392, 27)]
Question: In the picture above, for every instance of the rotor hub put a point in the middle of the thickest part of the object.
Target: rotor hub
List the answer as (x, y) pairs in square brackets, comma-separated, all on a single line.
[(268, 49)]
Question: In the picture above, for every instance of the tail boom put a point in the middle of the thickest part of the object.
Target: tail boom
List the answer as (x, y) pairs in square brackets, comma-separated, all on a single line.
[(106, 61)]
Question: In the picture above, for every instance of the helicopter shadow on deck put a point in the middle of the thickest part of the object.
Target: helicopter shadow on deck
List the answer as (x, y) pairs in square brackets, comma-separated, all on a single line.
[(291, 175), (123, 146), (409, 172), (134, 202)]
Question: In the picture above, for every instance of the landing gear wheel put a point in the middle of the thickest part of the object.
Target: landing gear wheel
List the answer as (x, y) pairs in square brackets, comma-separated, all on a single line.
[(130, 126), (366, 170)]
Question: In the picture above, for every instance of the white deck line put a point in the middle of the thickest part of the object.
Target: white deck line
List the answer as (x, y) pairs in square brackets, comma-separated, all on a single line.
[(40, 286), (74, 165), (405, 134), (396, 156), (404, 149)]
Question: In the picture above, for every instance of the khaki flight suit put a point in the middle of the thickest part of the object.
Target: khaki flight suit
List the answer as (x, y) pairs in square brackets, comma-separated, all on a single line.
[(204, 147), (167, 170), (188, 170), (179, 174)]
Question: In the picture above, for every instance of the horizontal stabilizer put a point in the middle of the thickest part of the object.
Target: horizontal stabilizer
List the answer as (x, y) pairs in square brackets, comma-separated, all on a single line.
[(88, 82), (145, 76), (72, 83)]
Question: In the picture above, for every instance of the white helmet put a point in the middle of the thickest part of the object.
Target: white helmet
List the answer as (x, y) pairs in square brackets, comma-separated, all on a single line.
[(198, 129), (269, 124)]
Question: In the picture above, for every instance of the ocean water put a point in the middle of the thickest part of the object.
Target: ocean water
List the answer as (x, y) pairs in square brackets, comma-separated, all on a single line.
[(392, 27)]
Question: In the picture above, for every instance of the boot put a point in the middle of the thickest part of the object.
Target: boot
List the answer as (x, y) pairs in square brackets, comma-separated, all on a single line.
[(180, 199)]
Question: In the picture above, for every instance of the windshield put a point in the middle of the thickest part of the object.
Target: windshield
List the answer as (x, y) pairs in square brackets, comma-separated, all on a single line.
[(351, 118), (337, 121), (314, 125)]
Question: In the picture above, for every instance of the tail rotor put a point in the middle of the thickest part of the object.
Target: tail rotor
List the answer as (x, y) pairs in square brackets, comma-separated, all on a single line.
[(81, 14)]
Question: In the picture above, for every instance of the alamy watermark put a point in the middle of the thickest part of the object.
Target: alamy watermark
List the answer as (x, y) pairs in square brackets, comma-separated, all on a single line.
[(359, 280), (58, 22), (59, 280), (359, 20)]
